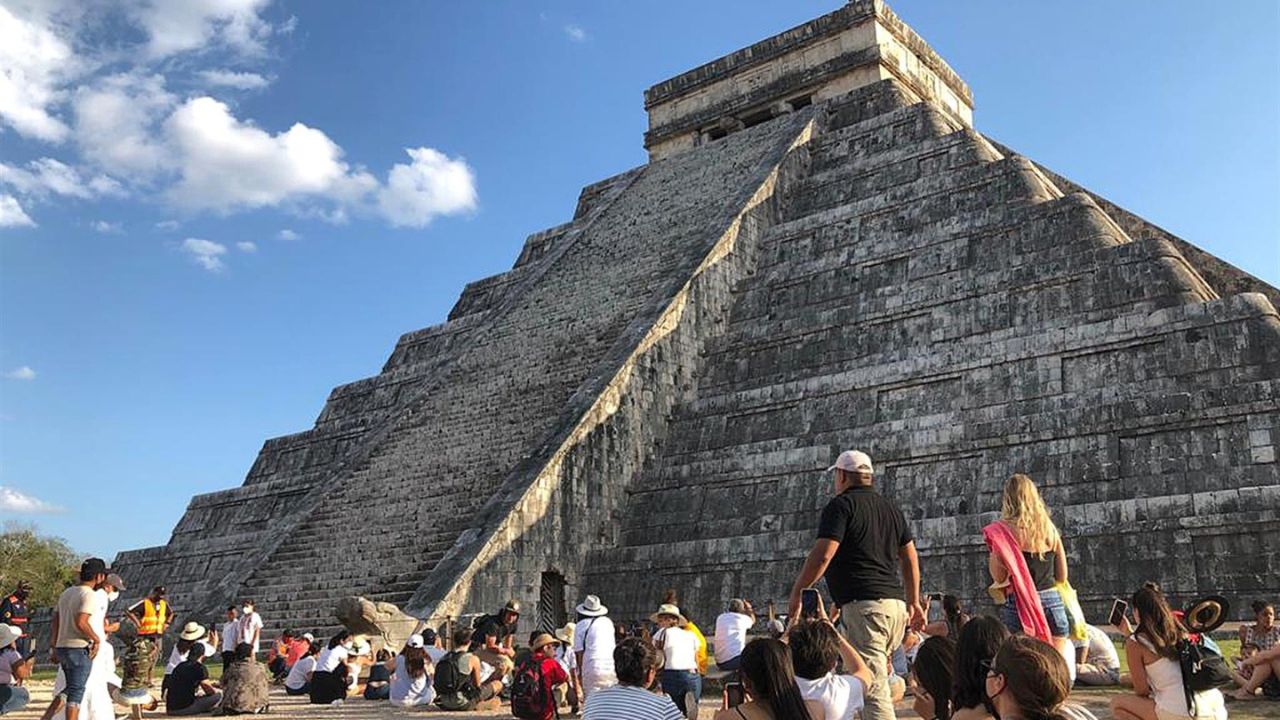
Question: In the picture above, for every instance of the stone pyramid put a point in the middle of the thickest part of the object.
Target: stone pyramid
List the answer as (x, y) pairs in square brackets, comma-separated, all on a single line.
[(822, 253)]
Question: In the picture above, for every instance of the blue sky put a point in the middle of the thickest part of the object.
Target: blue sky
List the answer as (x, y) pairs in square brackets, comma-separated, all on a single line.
[(214, 211)]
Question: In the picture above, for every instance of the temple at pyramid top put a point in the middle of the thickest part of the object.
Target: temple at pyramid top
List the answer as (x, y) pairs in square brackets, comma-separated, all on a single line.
[(859, 44)]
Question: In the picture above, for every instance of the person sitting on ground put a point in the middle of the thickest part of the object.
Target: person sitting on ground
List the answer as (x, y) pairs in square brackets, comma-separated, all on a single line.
[(533, 695), (593, 644), (816, 647), (493, 638), (14, 669), (731, 633), (1029, 679), (189, 677), (932, 677), (1152, 651), (193, 633), (679, 677), (244, 684), (979, 642), (1264, 672), (636, 664), (770, 685), (1264, 632), (460, 683), (1259, 669), (276, 656), (431, 644), (568, 695), (329, 679), (360, 657), (299, 646), (378, 686), (298, 682), (953, 619), (1097, 662), (411, 675)]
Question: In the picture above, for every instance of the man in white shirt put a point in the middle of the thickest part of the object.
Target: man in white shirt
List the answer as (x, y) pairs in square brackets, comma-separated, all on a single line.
[(593, 644), (1097, 662), (815, 648), (250, 626), (731, 633), (230, 637)]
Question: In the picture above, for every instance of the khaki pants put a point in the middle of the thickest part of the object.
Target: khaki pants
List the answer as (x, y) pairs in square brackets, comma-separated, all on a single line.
[(502, 665), (875, 628)]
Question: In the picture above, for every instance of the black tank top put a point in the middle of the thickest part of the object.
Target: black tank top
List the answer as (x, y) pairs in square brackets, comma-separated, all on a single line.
[(1042, 571)]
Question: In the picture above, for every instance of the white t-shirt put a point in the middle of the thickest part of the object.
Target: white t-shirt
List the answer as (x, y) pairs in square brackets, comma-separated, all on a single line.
[(594, 638), (8, 658), (331, 658), (176, 658), (841, 696), (230, 635), (1102, 652), (679, 648), (731, 635), (435, 653), (248, 624), (298, 673), (567, 658), (408, 691)]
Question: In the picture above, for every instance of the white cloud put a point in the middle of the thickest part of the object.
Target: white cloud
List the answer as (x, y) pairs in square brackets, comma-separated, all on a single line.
[(287, 234), (167, 225), (14, 501), (247, 246), (34, 66), (12, 214), (228, 164), (206, 253), (106, 228), (575, 33), (21, 373), (47, 176), (116, 121), (176, 26), (238, 80), (433, 184)]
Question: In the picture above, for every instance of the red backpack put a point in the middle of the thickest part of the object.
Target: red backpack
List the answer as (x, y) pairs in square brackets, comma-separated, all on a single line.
[(530, 697)]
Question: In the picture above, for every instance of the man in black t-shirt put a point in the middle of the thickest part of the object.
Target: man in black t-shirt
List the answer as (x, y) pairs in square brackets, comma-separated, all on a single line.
[(494, 640), (187, 678), (863, 542)]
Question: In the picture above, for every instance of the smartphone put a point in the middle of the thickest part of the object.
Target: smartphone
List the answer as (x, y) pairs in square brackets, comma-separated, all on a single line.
[(808, 603), (1118, 609), (734, 695)]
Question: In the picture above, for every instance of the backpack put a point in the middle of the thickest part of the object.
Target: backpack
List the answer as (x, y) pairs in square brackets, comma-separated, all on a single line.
[(530, 699), (1202, 669), (451, 684)]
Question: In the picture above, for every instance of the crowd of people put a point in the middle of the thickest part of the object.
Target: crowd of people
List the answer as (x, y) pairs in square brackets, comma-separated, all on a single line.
[(856, 656)]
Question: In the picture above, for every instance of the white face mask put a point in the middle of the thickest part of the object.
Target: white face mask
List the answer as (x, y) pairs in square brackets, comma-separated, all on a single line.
[(246, 609), (113, 595)]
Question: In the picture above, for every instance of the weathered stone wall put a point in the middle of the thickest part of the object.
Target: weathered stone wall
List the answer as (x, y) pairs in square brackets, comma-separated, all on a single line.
[(948, 309)]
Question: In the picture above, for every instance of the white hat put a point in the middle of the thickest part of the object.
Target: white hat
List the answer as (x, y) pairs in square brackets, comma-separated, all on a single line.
[(673, 611), (853, 461), (565, 634), (8, 634), (192, 631), (591, 607), (308, 637), (416, 641)]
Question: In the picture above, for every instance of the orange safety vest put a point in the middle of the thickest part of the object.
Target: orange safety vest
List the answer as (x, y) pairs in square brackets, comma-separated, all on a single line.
[(153, 616)]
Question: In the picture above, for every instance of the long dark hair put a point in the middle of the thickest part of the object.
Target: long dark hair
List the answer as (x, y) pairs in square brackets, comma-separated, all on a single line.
[(954, 611), (415, 661), (771, 681), (1035, 676), (979, 641), (1156, 622), (934, 668), (341, 637)]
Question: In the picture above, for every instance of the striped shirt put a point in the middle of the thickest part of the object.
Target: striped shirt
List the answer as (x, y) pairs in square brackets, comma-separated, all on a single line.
[(626, 702)]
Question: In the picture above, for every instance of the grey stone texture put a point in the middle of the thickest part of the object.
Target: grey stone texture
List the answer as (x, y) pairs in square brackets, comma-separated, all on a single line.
[(648, 397)]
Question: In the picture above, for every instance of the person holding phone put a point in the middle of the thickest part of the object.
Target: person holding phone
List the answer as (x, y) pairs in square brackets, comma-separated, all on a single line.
[(816, 647), (14, 668), (867, 554), (770, 682)]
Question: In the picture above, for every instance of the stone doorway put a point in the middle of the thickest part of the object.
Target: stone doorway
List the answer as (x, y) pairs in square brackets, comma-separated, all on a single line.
[(551, 610)]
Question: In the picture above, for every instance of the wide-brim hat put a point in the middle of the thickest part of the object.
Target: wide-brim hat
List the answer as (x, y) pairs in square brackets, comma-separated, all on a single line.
[(542, 641), (1206, 614), (671, 610), (8, 634), (192, 631), (592, 607), (565, 634)]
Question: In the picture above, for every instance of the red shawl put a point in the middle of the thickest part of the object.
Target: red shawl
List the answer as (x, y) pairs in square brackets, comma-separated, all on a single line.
[(1004, 545)]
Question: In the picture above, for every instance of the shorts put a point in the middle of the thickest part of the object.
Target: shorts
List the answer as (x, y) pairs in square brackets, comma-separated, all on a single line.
[(1055, 613), (75, 664)]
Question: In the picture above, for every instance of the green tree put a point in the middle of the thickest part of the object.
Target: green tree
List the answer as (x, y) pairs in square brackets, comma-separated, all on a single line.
[(47, 562)]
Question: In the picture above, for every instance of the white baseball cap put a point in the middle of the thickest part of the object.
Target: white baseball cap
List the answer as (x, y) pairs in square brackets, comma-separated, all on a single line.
[(415, 641), (853, 461)]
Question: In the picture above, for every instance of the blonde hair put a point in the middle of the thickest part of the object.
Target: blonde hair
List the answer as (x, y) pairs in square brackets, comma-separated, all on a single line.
[(1022, 509)]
